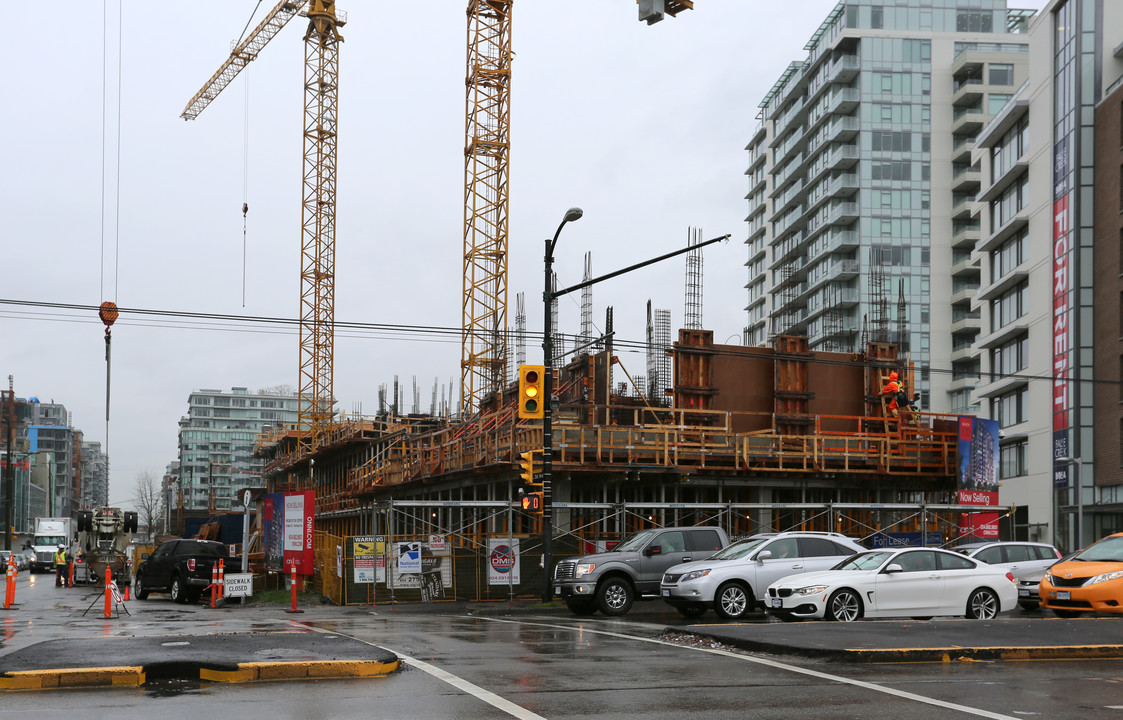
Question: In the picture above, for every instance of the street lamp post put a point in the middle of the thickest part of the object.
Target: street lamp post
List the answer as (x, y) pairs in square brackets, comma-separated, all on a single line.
[(1079, 484), (548, 296), (571, 215)]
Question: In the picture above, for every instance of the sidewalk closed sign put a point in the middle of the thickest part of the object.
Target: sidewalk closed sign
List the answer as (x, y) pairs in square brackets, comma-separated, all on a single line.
[(238, 585)]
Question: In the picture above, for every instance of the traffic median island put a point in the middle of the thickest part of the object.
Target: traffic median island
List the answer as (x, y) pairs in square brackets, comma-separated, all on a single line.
[(227, 657)]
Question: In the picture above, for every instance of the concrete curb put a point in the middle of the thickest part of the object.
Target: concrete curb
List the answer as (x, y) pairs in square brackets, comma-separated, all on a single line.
[(136, 676), (946, 654)]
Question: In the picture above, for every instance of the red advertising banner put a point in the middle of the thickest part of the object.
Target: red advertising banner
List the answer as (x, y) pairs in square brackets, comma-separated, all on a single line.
[(289, 527), (983, 525), (978, 461)]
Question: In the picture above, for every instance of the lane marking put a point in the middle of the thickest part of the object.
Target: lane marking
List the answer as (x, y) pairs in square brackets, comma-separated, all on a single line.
[(456, 681), (773, 664)]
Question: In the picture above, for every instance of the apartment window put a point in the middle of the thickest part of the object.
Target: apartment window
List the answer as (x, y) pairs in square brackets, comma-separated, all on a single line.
[(200, 400), (1011, 358), (1008, 256), (1001, 74), (1012, 460), (222, 401), (887, 141), (877, 18), (891, 171), (1010, 409), (238, 402), (995, 102), (1008, 205), (974, 21), (1010, 306)]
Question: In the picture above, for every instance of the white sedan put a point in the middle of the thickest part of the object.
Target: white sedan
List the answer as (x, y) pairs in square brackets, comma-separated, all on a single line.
[(906, 582)]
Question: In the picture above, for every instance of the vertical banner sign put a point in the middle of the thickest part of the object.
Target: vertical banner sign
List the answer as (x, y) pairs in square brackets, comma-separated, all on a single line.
[(503, 562), (380, 559), (1062, 293), (978, 473), (289, 528), (978, 461)]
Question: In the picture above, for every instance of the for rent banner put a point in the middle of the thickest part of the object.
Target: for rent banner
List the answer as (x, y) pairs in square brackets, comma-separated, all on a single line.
[(289, 527)]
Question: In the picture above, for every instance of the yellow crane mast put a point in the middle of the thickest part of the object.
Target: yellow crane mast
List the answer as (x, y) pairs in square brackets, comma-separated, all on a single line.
[(483, 357), (317, 263)]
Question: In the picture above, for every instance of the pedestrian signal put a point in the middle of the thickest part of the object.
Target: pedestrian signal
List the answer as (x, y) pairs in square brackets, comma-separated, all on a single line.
[(532, 502), (532, 400)]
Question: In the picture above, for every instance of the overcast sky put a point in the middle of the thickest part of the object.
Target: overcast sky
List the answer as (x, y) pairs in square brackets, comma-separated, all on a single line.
[(642, 127)]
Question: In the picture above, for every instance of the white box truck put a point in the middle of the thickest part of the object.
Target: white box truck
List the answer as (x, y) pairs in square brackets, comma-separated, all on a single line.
[(49, 534)]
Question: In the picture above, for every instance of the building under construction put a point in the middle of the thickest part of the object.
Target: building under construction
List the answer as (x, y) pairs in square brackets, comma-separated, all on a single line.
[(754, 439)]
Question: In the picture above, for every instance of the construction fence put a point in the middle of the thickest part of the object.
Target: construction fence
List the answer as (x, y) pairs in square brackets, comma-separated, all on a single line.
[(418, 560)]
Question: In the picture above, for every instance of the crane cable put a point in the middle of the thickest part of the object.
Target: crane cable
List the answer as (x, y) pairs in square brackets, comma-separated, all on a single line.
[(245, 154), (108, 310)]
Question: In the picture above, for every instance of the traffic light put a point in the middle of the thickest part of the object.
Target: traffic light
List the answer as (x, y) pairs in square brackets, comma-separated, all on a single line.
[(532, 401), (527, 469)]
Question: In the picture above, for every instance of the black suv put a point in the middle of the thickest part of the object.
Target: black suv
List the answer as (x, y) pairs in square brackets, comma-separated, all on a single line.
[(182, 568)]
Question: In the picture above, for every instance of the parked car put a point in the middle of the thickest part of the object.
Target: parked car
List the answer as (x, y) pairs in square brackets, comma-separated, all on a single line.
[(181, 568), (1088, 581), (26, 559), (907, 582), (4, 555), (733, 581), (611, 581), (1025, 560)]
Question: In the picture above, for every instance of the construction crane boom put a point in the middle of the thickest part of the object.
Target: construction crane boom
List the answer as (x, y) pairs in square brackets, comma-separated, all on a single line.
[(241, 56), (318, 196)]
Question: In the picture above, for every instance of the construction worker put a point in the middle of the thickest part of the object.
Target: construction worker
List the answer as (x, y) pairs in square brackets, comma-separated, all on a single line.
[(60, 566), (892, 389)]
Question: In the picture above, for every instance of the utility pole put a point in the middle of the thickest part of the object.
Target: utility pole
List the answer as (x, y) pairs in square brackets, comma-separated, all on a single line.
[(549, 294), (10, 466)]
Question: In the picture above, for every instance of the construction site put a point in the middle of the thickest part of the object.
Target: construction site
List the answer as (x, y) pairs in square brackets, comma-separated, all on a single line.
[(754, 439)]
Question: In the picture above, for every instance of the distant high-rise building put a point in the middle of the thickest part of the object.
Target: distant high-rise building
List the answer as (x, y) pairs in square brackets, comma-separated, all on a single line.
[(95, 476), (861, 185), (216, 441)]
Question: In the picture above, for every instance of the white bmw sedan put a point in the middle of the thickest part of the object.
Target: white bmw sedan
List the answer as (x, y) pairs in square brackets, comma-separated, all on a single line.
[(906, 582)]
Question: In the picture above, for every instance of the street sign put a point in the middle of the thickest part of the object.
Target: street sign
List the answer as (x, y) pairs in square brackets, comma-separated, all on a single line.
[(237, 585)]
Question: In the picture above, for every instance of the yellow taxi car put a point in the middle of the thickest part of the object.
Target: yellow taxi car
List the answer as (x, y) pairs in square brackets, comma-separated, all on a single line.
[(1089, 581)]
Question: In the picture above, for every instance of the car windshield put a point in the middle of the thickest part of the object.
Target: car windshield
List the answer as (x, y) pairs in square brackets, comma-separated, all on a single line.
[(739, 549), (635, 542), (1106, 550), (864, 561)]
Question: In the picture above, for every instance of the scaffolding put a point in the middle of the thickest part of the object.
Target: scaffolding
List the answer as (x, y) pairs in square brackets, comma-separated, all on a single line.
[(692, 318)]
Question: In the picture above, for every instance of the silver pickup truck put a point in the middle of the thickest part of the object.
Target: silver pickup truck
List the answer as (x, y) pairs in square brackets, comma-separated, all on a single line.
[(611, 581)]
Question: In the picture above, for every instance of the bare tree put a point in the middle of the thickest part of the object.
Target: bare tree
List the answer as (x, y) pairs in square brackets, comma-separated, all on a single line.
[(148, 499)]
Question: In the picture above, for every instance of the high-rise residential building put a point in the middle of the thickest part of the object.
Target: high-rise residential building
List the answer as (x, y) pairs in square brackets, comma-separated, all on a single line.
[(861, 185), (95, 476), (1049, 245), (49, 433), (216, 440)]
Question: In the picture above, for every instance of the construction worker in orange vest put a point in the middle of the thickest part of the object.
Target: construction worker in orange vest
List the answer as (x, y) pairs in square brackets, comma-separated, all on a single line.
[(892, 389)]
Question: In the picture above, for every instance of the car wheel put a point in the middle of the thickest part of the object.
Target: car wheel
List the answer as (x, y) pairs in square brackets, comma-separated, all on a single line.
[(1066, 614), (692, 611), (615, 596), (982, 605), (176, 591), (1029, 606), (733, 601), (581, 607), (844, 606), (141, 591)]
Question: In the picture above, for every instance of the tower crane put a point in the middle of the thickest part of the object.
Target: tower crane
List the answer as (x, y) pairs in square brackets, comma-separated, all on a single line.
[(317, 270), (483, 354)]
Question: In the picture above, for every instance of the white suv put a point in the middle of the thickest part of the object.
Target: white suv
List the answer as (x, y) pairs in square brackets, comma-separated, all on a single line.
[(733, 581)]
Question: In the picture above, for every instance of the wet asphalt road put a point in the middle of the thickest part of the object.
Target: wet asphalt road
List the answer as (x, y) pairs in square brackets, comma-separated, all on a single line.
[(467, 661)]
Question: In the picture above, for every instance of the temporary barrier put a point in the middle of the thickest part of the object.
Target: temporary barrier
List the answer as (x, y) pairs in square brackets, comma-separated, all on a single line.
[(434, 551), (294, 589), (10, 582), (108, 594)]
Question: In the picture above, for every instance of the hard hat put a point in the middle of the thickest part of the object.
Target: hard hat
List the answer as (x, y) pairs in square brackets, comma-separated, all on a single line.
[(61, 547), (892, 376)]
